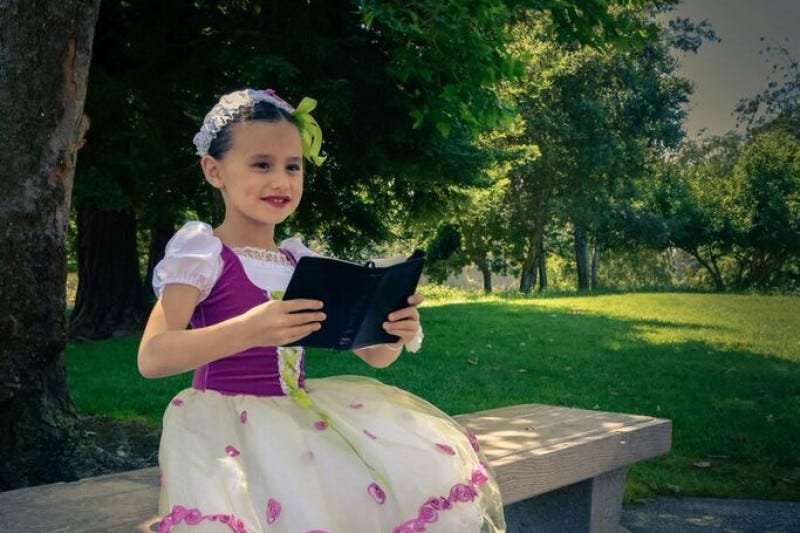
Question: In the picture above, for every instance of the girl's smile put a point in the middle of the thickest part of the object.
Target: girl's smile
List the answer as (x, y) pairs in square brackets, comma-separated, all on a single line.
[(279, 201)]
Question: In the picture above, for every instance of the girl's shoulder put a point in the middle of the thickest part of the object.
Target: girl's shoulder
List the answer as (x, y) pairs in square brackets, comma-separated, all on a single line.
[(194, 236), (192, 257)]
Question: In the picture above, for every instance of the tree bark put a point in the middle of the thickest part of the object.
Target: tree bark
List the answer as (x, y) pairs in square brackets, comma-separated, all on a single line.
[(595, 263), (45, 50), (486, 272), (542, 266), (110, 299), (531, 263), (581, 258)]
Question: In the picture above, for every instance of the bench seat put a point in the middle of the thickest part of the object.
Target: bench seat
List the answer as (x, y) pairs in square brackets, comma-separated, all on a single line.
[(559, 469)]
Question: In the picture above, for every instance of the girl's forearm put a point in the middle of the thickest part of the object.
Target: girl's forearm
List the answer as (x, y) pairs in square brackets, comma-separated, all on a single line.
[(176, 351), (380, 355)]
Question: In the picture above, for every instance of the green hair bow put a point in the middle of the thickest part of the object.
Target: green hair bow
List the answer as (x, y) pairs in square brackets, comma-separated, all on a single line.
[(310, 131)]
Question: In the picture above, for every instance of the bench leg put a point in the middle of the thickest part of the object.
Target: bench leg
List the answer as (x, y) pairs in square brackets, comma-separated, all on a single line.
[(592, 506)]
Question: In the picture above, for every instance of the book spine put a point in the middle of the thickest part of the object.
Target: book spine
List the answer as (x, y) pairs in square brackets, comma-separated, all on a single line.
[(349, 337)]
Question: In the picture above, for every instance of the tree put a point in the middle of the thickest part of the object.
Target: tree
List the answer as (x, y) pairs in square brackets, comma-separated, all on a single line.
[(686, 206), (404, 88), (596, 114), (45, 55), (765, 202), (779, 100)]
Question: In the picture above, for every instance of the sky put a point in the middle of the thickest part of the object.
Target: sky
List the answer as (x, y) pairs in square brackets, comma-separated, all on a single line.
[(724, 72)]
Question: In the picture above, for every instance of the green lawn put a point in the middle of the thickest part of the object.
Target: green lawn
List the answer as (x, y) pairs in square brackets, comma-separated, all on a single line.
[(725, 368)]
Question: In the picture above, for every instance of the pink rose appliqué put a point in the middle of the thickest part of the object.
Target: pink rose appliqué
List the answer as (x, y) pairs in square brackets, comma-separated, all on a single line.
[(479, 476), (243, 416), (273, 510), (177, 402), (370, 434), (356, 405), (193, 517), (320, 424), (446, 448), (376, 492), (427, 513), (231, 451), (473, 441), (462, 492)]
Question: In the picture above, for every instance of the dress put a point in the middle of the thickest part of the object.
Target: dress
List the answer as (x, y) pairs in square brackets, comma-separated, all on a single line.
[(252, 446)]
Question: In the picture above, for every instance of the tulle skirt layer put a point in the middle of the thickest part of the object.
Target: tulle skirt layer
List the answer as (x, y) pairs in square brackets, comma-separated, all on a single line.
[(355, 456)]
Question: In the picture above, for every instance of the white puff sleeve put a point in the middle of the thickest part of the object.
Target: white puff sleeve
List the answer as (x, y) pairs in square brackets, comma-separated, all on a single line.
[(296, 247), (192, 257)]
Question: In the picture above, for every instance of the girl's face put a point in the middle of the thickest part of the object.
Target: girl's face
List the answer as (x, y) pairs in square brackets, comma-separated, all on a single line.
[(261, 175)]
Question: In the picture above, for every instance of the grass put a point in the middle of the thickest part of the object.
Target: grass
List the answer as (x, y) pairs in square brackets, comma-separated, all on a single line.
[(724, 368)]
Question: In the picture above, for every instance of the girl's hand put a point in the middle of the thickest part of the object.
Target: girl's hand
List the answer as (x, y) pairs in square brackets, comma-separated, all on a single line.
[(404, 322), (279, 322)]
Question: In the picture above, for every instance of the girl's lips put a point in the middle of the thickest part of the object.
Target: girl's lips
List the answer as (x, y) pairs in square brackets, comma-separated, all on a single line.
[(276, 201)]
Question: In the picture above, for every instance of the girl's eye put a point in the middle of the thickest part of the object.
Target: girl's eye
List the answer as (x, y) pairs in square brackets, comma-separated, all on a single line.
[(293, 168), (263, 165)]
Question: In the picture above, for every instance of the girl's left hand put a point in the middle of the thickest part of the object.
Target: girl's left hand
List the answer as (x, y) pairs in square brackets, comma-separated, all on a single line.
[(404, 322)]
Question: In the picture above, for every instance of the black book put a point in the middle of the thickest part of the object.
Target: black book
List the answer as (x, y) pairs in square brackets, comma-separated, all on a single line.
[(356, 298)]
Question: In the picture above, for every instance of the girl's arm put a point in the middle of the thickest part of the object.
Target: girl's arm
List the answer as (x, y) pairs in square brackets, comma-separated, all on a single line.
[(405, 324), (168, 348)]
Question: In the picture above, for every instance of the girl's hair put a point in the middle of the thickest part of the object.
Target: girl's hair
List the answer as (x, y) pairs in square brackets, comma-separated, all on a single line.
[(261, 110), (257, 104)]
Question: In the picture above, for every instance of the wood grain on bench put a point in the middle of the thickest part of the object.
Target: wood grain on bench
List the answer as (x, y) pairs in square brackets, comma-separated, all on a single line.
[(536, 448)]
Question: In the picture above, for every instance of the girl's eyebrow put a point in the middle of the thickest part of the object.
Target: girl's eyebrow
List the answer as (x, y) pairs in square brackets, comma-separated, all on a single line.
[(292, 159)]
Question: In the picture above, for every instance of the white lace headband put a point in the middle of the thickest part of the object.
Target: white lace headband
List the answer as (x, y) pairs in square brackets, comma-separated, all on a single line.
[(230, 106)]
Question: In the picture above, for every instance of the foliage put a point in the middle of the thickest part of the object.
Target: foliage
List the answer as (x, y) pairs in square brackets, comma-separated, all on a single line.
[(765, 202), (732, 204), (683, 206), (596, 115), (403, 89), (779, 100)]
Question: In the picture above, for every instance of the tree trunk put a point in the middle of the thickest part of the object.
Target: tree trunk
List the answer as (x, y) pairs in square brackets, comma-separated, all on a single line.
[(487, 276), (542, 266), (581, 258), (45, 49), (110, 299), (531, 263), (595, 263)]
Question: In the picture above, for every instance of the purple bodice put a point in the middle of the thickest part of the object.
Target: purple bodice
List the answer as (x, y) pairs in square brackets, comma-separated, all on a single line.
[(254, 371)]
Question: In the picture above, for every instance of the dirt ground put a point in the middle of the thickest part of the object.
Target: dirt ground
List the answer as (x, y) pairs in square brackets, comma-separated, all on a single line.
[(121, 444)]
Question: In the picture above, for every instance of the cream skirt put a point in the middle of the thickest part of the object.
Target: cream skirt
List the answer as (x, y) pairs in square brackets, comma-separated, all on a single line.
[(353, 456)]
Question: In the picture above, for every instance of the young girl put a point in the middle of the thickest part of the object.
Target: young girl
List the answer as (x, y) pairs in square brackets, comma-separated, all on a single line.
[(252, 446)]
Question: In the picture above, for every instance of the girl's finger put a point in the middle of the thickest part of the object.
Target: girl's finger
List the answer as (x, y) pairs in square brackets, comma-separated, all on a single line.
[(415, 299), (408, 312), (300, 304)]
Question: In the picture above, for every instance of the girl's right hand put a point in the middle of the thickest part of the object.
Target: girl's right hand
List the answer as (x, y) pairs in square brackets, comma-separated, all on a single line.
[(280, 322)]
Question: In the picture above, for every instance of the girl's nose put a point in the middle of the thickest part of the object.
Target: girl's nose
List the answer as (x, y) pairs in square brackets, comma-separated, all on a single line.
[(280, 181)]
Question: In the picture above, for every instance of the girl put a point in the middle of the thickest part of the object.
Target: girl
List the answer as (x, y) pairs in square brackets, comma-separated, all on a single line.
[(252, 446)]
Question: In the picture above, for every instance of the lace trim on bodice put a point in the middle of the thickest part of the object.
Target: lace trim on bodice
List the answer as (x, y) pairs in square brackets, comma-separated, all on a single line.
[(261, 254)]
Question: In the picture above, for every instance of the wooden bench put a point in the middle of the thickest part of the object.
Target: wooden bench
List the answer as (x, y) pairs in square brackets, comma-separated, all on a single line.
[(559, 469)]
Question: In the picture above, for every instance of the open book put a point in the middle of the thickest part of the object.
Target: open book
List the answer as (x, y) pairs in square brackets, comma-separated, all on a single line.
[(356, 298)]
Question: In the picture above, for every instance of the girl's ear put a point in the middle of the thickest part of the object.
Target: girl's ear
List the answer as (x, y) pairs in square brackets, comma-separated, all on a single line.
[(212, 171)]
